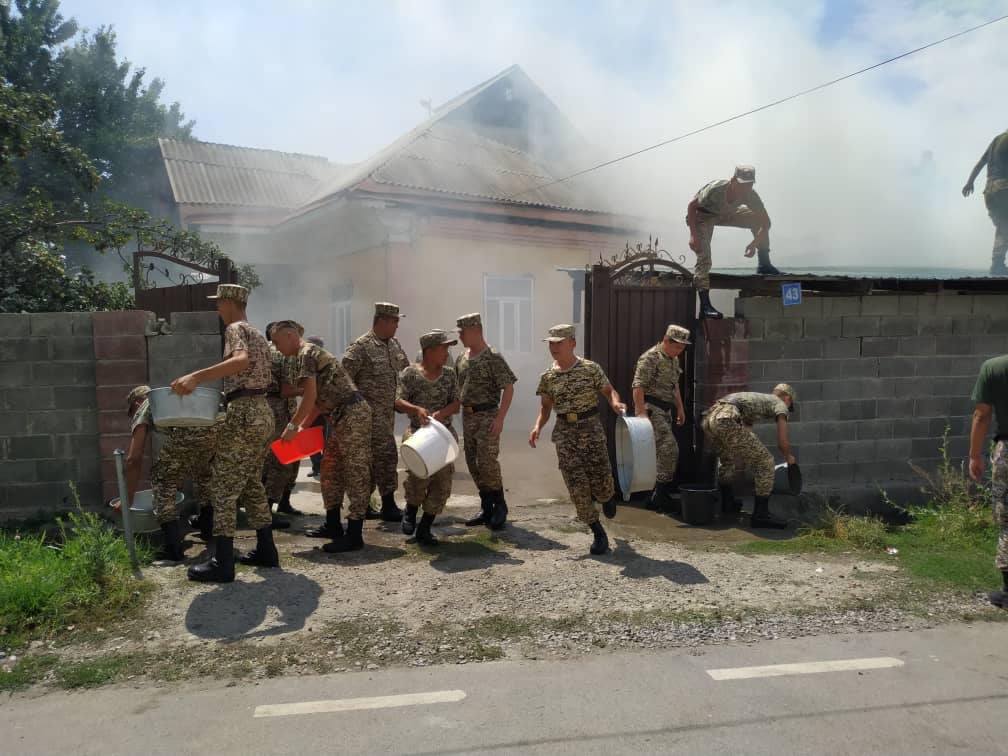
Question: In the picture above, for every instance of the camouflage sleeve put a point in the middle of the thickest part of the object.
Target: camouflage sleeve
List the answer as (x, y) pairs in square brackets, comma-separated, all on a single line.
[(404, 385), (599, 379), (645, 372), (353, 360), (780, 408), (502, 374), (308, 366), (544, 388), (142, 416), (402, 361), (235, 340), (453, 392), (755, 202)]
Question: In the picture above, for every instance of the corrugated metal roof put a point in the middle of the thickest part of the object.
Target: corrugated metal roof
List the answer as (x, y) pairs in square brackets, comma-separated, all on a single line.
[(203, 173)]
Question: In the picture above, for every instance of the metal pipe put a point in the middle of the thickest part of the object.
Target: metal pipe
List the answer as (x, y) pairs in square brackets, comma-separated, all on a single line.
[(124, 507)]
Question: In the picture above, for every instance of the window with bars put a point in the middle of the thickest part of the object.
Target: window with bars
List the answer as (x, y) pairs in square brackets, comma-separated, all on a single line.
[(507, 308)]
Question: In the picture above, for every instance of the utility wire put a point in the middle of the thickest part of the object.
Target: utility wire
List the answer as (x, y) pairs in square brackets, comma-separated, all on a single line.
[(761, 108)]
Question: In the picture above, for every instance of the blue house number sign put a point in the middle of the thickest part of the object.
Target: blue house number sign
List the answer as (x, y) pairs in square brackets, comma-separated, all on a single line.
[(791, 294)]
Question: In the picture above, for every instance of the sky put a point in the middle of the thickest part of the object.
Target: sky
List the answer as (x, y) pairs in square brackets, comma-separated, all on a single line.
[(843, 172)]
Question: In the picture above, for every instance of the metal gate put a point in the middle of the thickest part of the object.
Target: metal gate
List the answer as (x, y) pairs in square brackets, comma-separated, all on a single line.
[(190, 295), (627, 308)]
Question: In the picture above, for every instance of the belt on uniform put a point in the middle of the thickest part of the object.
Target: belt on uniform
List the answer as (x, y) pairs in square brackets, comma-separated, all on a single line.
[(573, 417), (241, 393), (472, 409), (667, 406)]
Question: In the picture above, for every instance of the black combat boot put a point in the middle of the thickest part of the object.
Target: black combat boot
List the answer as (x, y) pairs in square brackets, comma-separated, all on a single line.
[(203, 522), (486, 507), (265, 553), (409, 520), (332, 528), (601, 543), (657, 501), (609, 507), (172, 550), (761, 517), (220, 568), (1000, 598), (998, 267), (706, 308), (284, 506), (765, 267), (390, 512), (730, 506), (499, 513), (423, 533), (352, 541)]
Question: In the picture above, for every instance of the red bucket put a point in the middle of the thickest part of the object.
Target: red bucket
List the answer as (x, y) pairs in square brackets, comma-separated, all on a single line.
[(309, 441)]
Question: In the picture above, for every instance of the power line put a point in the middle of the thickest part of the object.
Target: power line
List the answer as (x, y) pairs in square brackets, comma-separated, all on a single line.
[(768, 105)]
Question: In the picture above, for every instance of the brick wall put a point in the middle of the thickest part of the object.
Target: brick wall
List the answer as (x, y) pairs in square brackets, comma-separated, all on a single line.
[(879, 377)]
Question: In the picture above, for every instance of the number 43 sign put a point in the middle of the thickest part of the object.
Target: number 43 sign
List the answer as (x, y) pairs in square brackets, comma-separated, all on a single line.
[(791, 294)]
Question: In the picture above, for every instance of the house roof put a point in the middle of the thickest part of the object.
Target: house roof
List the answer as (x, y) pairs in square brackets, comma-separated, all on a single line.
[(204, 173)]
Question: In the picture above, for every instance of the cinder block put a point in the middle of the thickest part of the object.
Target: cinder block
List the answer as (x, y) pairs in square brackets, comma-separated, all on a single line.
[(82, 323), (765, 350), (781, 370), (864, 388), (822, 369), (990, 304), (73, 398), (754, 328), (23, 350), (908, 304), (801, 432), (954, 304), (996, 325), (113, 422), (879, 346), (810, 390), (802, 349), (13, 423), (855, 451), (864, 367), (898, 326), (120, 372), (925, 447), (750, 307), (874, 429), (934, 326), (933, 406), (815, 454), (852, 409), (74, 348), (841, 348), (121, 347), (22, 471), (953, 345), (782, 329), (969, 325), (836, 473), (892, 451), (958, 448), (13, 325), (199, 322), (37, 497), (810, 309), (30, 447), (953, 386), (894, 408), (108, 444), (911, 427), (860, 326), (62, 422), (89, 468), (991, 345), (29, 398), (63, 373), (912, 346), (15, 375), (122, 322), (957, 425), (897, 367), (79, 446), (835, 307), (51, 324), (57, 470), (880, 304), (914, 387), (832, 431), (934, 366), (822, 328)]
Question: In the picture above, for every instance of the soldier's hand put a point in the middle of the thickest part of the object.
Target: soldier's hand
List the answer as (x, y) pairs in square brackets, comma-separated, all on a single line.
[(184, 385), (289, 433), (619, 408), (643, 413), (497, 426), (976, 468), (423, 416), (680, 419), (968, 190), (750, 249), (791, 460), (533, 437)]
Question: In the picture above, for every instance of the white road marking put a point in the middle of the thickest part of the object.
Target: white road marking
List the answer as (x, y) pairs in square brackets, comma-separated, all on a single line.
[(357, 704), (804, 668)]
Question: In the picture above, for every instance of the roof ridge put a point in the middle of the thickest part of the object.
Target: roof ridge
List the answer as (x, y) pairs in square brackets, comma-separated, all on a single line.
[(240, 148), (241, 167)]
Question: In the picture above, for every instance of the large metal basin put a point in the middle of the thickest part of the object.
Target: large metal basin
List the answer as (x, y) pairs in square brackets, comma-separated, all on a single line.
[(636, 457), (196, 409), (142, 517)]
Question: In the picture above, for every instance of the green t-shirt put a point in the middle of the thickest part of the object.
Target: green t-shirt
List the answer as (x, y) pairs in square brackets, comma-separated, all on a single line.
[(997, 164), (992, 388)]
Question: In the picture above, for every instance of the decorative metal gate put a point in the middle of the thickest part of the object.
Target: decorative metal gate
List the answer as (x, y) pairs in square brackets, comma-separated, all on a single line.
[(192, 290), (628, 304)]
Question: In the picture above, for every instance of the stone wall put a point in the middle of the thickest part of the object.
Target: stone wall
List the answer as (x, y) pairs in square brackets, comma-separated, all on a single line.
[(879, 378)]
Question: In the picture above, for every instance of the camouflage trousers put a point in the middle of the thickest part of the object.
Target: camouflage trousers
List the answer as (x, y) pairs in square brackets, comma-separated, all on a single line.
[(186, 454), (999, 494), (666, 446), (584, 463), (277, 477), (997, 208), (384, 452), (732, 440), (482, 451), (346, 461), (741, 218), (236, 471), (429, 494)]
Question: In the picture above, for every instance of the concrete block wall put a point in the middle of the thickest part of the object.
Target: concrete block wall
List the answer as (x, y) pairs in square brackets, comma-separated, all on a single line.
[(879, 377)]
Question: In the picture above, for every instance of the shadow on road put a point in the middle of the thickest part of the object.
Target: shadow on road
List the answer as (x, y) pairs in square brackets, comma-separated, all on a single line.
[(370, 554), (637, 566), (234, 611), (529, 540), (461, 556)]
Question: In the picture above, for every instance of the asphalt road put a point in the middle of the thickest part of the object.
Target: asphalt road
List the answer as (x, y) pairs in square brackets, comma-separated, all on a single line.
[(938, 691)]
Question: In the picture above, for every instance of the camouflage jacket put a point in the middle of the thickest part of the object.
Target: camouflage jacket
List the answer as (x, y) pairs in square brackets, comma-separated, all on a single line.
[(754, 406), (244, 337), (713, 202), (374, 366), (181, 434), (575, 389), (431, 395), (482, 378), (332, 382), (658, 374)]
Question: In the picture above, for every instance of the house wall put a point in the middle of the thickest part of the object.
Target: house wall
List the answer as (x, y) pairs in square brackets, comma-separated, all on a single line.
[(878, 377)]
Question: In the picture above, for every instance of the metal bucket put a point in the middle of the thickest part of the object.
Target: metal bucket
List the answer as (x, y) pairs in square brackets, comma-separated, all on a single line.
[(699, 503), (636, 460), (141, 513), (199, 408), (429, 449)]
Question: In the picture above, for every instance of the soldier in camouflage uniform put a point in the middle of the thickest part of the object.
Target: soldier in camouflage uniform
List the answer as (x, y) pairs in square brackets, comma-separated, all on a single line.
[(374, 362), (728, 425), (572, 386), (727, 203), (486, 388), (278, 478), (185, 455), (656, 396), (990, 395), (236, 472), (428, 390), (327, 389), (995, 158)]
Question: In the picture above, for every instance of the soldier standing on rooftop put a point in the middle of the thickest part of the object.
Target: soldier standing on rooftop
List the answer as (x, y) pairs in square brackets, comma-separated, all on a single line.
[(727, 203), (995, 197)]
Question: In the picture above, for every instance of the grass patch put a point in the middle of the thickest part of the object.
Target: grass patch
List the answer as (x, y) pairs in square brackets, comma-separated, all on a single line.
[(26, 671), (502, 627), (92, 673)]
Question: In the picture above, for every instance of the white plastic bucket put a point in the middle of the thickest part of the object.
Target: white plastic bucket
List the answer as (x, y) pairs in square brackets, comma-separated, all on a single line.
[(141, 513), (429, 449), (636, 459)]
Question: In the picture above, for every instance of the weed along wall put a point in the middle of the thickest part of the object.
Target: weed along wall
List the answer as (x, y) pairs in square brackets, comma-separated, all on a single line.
[(64, 379), (879, 379)]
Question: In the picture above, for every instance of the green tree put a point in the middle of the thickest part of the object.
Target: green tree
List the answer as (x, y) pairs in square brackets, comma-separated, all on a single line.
[(30, 41)]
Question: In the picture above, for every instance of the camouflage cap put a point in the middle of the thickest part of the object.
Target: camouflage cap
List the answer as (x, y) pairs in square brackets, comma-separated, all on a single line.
[(560, 332), (316, 340), (437, 337), (745, 174), (387, 310), (231, 291), (291, 324), (785, 388), (136, 395), (678, 334), (472, 320)]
